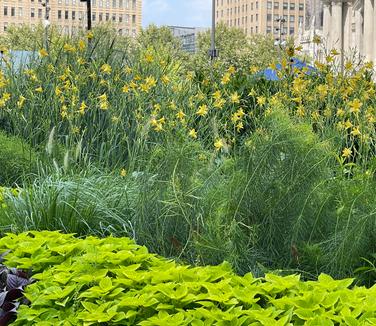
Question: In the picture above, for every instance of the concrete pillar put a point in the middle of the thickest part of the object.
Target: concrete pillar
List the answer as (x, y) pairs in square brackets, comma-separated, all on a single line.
[(368, 29), (358, 31), (374, 31), (337, 26), (327, 23), (347, 30)]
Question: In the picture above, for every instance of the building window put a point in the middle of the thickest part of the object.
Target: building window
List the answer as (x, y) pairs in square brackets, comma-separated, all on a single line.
[(269, 17), (20, 11), (107, 3), (59, 14), (94, 16), (32, 12), (100, 17), (120, 3), (292, 6), (5, 11), (292, 19), (134, 4), (66, 14), (13, 11), (73, 15), (113, 3), (285, 5), (269, 5), (276, 5), (107, 16), (113, 17), (120, 18), (133, 19), (292, 30), (301, 6), (39, 13)]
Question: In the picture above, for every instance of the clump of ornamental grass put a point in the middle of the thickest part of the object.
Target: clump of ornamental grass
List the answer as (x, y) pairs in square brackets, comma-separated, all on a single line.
[(90, 203)]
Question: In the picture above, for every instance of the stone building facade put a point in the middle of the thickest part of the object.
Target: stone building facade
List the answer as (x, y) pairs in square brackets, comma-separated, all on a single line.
[(350, 27), (314, 14), (71, 15), (261, 16)]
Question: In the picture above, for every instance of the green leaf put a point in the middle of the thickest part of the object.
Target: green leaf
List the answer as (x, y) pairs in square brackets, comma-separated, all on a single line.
[(320, 321), (89, 306), (106, 284), (305, 314)]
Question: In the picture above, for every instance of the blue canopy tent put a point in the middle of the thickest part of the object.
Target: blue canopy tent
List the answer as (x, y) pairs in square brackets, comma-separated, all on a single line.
[(272, 74)]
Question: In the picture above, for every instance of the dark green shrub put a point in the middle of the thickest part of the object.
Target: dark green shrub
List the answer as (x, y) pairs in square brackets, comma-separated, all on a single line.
[(17, 160)]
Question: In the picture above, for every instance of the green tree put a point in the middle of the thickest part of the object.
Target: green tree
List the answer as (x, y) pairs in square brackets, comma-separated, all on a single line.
[(238, 49), (158, 38)]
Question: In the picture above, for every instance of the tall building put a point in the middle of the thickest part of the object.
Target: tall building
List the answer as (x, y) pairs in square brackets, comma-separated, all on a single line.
[(277, 17), (71, 15), (188, 36), (351, 27)]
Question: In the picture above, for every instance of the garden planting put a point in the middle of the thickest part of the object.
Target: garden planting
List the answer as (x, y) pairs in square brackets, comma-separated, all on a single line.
[(141, 185)]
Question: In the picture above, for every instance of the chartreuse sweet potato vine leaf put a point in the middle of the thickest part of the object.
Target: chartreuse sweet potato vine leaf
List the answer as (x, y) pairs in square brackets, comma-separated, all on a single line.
[(113, 281)]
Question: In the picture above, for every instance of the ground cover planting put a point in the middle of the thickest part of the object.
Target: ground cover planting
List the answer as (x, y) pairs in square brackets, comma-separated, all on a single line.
[(113, 281), (206, 164)]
